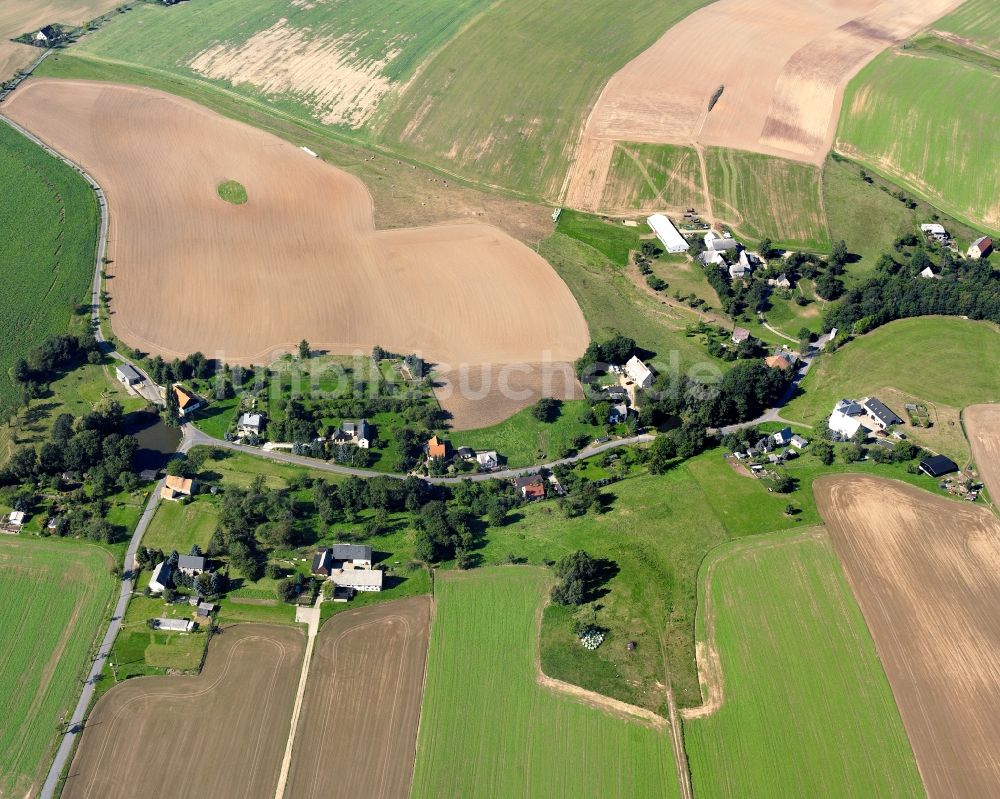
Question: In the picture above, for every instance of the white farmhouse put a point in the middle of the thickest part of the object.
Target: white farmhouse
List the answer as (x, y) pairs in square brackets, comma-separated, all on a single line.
[(668, 235), (639, 373)]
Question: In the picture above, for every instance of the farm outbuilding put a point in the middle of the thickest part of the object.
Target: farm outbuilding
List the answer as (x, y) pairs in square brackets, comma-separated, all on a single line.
[(938, 465), (668, 235), (127, 375)]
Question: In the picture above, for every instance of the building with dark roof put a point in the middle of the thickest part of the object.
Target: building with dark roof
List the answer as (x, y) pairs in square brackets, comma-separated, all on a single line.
[(879, 413), (354, 552), (938, 465)]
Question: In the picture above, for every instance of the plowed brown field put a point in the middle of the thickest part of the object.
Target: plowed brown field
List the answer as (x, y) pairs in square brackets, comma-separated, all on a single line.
[(220, 734), (783, 65), (926, 573), (358, 731), (982, 425), (301, 259)]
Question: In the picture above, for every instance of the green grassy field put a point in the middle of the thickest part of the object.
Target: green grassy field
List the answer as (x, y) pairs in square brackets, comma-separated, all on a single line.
[(481, 696), (976, 20), (524, 440), (766, 196), (807, 709), (612, 239), (48, 224), (654, 177), (948, 151), (53, 598), (943, 360), (179, 526), (233, 192), (612, 303)]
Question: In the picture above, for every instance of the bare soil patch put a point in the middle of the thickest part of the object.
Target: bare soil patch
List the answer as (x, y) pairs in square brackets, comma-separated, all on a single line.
[(220, 734), (358, 731), (982, 425), (301, 259), (783, 65), (925, 572), (486, 395)]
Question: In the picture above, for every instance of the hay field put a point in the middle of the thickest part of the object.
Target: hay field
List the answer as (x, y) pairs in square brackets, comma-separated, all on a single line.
[(48, 224), (760, 195), (362, 704), (482, 695), (982, 425), (928, 121), (53, 597), (806, 709), (783, 68), (220, 734), (300, 259), (976, 23), (330, 62), (25, 16), (925, 571)]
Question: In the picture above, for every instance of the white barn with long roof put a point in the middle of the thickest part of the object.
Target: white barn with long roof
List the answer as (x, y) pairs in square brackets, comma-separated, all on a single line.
[(667, 233)]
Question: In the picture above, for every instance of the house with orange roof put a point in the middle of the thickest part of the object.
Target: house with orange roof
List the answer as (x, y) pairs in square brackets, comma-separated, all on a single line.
[(186, 401), (436, 449)]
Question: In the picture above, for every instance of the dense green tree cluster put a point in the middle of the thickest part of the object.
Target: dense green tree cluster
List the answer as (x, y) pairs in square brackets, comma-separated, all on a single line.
[(965, 288), (44, 363)]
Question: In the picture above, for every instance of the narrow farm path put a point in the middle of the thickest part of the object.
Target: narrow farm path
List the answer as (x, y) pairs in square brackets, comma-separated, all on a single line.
[(311, 617), (704, 185)]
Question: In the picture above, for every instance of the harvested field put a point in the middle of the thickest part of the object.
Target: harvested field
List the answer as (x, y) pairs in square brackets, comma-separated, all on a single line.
[(220, 734), (301, 258), (783, 79), (24, 16), (982, 425), (362, 703), (487, 395), (925, 571)]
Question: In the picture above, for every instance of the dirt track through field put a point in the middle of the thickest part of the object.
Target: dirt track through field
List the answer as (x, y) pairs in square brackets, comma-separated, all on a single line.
[(783, 67), (358, 731), (220, 734), (926, 573), (301, 259), (982, 425)]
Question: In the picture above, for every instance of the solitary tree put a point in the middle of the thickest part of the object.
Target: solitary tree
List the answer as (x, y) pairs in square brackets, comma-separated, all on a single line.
[(303, 349)]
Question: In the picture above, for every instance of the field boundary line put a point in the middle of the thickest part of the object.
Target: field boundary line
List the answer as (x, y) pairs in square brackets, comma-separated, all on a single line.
[(614, 707), (710, 675)]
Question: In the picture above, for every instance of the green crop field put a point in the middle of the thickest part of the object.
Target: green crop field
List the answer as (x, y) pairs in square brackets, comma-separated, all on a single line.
[(766, 196), (911, 118), (53, 597), (48, 225), (481, 697), (977, 20), (654, 177), (529, 69), (939, 359), (807, 709)]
